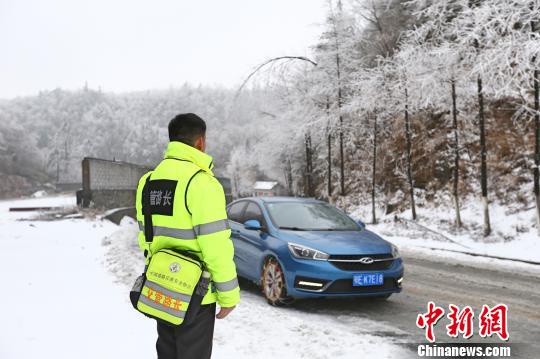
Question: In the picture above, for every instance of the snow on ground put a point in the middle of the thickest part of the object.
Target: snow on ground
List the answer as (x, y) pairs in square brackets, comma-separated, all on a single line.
[(514, 232), (58, 299), (66, 283), (65, 295)]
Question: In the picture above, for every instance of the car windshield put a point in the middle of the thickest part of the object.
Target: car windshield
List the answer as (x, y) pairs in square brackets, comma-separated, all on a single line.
[(306, 216)]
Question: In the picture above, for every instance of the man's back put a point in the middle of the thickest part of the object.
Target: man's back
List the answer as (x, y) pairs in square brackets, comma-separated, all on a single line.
[(185, 209), (192, 216)]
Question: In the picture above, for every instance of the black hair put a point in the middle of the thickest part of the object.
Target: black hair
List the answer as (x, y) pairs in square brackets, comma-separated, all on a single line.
[(186, 128)]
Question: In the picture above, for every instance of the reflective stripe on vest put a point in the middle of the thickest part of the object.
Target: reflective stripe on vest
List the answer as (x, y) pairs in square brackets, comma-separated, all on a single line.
[(199, 230), (212, 227), (226, 286), (178, 233)]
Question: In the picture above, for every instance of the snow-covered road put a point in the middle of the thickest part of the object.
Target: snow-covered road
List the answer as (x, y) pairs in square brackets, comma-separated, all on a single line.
[(66, 283), (258, 330), (352, 328), (65, 296)]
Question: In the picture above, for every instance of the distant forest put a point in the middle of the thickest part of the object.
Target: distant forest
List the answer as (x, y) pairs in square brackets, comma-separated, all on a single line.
[(45, 137), (400, 101)]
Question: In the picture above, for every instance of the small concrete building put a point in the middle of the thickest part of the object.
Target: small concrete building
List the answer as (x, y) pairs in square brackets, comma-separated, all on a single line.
[(268, 188)]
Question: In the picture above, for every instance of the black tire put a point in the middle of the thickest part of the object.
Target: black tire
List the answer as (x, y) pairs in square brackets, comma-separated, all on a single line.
[(273, 284)]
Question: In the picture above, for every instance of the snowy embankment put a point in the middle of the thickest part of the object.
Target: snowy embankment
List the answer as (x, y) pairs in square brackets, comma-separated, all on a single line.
[(66, 296), (514, 233)]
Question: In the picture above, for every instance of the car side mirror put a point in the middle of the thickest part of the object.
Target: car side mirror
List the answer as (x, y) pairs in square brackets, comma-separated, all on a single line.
[(253, 224), (361, 224)]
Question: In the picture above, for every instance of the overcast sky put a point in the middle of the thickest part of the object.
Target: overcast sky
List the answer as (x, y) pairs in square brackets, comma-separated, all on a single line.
[(125, 45)]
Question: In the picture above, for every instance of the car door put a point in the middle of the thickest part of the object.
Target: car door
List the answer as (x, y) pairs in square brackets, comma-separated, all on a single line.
[(253, 242), (235, 213)]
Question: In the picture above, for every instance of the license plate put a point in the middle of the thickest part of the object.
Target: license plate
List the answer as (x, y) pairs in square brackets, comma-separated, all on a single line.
[(367, 279)]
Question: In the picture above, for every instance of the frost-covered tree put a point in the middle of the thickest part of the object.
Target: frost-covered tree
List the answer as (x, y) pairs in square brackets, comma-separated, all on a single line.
[(375, 106), (335, 56)]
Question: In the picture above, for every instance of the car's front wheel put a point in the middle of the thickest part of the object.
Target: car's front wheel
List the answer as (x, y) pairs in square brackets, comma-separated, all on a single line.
[(273, 283)]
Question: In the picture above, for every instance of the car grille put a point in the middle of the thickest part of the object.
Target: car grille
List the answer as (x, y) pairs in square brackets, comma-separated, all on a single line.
[(345, 286), (357, 266)]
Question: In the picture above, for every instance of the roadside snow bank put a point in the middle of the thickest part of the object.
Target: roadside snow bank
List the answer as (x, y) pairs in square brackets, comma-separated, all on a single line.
[(123, 257), (514, 233)]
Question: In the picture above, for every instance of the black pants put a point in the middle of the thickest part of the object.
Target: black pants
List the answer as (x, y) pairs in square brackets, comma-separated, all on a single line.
[(193, 341)]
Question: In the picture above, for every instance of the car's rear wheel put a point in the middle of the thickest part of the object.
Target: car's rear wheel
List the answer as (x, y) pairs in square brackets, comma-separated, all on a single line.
[(273, 283)]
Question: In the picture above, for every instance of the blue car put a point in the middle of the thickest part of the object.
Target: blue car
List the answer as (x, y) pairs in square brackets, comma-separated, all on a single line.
[(300, 248)]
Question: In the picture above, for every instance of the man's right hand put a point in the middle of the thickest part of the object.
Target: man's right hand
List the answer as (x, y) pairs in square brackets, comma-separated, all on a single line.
[(224, 311)]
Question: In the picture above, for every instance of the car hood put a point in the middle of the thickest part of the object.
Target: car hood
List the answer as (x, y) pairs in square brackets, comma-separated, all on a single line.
[(340, 242)]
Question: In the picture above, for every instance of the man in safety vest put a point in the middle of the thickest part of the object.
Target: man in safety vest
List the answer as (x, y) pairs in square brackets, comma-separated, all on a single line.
[(196, 223)]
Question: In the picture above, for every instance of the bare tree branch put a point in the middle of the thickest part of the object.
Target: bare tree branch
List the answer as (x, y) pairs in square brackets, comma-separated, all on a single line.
[(275, 59)]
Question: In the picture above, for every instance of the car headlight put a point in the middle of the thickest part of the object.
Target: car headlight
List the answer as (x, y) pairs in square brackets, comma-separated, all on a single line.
[(395, 252), (304, 252)]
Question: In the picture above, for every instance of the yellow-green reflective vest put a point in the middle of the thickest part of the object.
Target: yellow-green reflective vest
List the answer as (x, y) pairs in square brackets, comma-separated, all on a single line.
[(192, 217)]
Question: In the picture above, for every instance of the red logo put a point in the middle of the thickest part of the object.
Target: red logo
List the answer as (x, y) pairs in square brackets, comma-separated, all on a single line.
[(460, 322), (429, 319), (491, 321), (494, 321)]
